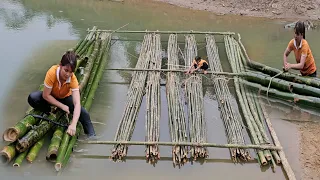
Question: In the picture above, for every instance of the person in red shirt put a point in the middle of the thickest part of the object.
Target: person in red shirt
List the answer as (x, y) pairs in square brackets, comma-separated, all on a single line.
[(300, 47), (61, 89)]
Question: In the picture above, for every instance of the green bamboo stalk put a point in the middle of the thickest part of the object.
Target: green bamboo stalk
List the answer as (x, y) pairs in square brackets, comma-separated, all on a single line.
[(21, 128), (70, 146), (291, 97), (18, 161), (34, 135), (315, 82), (55, 144), (98, 74), (8, 153), (34, 150), (93, 72), (282, 85), (62, 151)]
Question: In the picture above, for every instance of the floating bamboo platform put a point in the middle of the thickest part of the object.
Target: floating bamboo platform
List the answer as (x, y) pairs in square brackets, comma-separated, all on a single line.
[(185, 100)]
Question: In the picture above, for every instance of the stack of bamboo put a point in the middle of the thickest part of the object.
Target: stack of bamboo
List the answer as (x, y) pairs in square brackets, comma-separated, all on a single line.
[(230, 116), (194, 98), (177, 120), (27, 137), (134, 95), (153, 102), (249, 104)]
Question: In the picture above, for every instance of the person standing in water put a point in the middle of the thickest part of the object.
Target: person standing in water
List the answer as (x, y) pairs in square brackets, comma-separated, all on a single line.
[(197, 64), (300, 47), (61, 89)]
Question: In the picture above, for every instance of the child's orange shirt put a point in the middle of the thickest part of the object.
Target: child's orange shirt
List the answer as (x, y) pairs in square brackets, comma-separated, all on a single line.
[(303, 50)]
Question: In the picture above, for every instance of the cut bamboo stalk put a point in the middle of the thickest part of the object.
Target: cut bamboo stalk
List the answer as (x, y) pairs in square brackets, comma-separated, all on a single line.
[(55, 144), (34, 150), (34, 135), (18, 161), (21, 128), (8, 153)]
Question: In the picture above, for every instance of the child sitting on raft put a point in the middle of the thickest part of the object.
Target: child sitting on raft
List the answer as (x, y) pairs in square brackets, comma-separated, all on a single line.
[(197, 64)]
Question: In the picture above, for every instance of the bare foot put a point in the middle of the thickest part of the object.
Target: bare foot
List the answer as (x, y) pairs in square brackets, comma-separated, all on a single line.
[(205, 72)]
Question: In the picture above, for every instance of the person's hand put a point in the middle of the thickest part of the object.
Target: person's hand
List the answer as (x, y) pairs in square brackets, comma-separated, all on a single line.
[(287, 66), (65, 108), (72, 129)]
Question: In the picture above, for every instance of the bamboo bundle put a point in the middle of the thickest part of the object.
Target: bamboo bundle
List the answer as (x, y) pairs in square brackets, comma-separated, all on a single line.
[(134, 99), (194, 96), (249, 109), (282, 85), (21, 128), (177, 121), (34, 135), (153, 101), (68, 142), (231, 118), (31, 140), (315, 82)]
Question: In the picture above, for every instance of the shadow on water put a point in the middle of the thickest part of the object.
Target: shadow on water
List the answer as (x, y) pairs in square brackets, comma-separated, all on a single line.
[(34, 22)]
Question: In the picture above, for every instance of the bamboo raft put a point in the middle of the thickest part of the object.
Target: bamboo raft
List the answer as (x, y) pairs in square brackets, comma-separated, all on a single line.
[(187, 124)]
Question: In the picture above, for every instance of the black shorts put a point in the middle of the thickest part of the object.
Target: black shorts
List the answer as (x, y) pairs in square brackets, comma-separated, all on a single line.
[(204, 66), (313, 74)]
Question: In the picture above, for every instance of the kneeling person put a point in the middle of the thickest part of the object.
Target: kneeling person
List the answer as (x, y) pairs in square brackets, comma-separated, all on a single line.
[(197, 64), (61, 89)]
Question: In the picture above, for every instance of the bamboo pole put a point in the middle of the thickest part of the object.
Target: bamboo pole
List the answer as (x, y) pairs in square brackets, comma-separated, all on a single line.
[(167, 32), (247, 146), (175, 70), (283, 158)]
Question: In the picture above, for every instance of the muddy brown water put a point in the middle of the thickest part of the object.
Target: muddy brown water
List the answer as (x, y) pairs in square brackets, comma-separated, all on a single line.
[(34, 35)]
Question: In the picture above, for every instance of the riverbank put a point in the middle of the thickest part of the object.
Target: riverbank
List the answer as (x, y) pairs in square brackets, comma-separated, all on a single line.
[(274, 9)]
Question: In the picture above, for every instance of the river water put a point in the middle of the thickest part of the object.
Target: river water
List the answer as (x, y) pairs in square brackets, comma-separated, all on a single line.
[(34, 35)]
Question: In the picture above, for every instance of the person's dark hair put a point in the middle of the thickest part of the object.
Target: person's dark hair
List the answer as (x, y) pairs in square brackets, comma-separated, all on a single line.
[(69, 58), (197, 58), (299, 28)]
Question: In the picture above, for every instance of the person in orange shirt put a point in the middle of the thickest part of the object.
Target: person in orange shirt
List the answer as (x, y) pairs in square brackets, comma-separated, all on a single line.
[(197, 64), (300, 47), (61, 89)]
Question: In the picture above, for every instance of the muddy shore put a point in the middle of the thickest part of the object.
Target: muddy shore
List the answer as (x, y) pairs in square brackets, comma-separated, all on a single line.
[(274, 9)]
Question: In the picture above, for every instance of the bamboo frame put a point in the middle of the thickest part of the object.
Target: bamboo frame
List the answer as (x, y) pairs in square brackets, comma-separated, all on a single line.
[(141, 143), (175, 70), (166, 32)]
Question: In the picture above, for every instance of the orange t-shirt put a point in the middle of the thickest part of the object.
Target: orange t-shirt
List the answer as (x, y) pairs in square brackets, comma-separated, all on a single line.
[(303, 50), (59, 90), (200, 64)]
